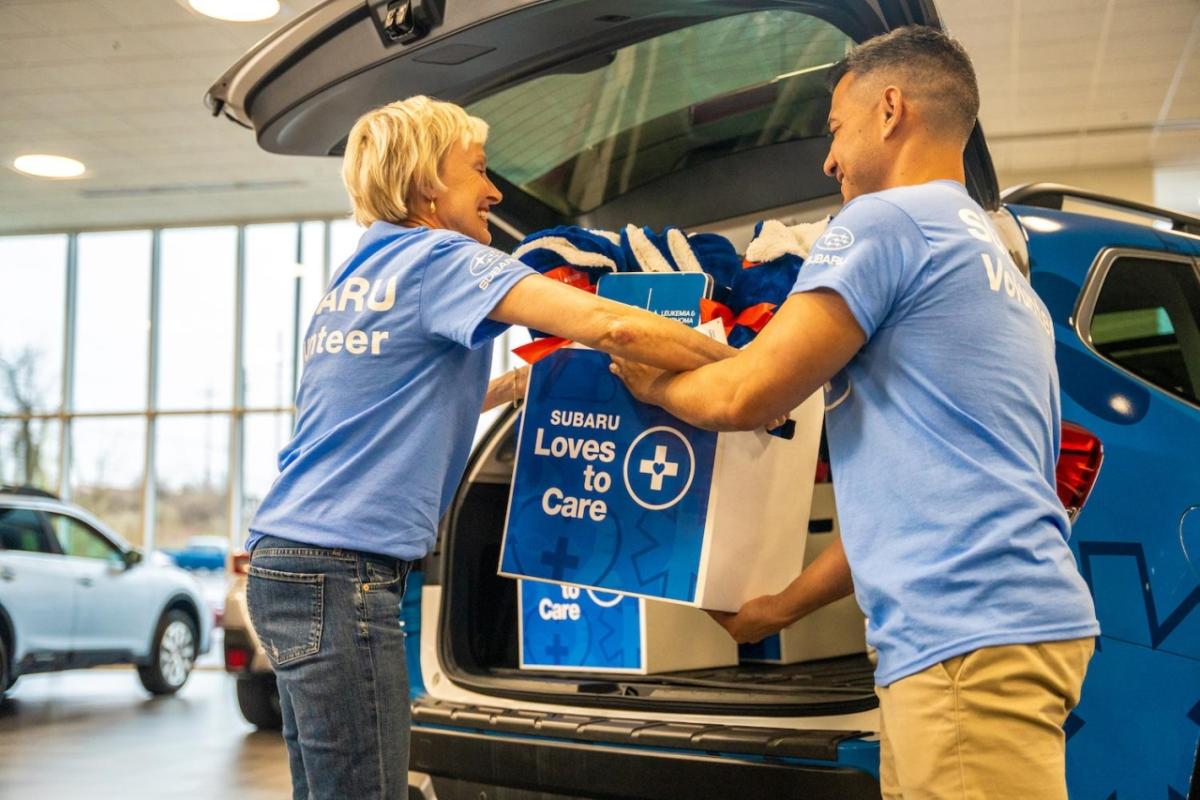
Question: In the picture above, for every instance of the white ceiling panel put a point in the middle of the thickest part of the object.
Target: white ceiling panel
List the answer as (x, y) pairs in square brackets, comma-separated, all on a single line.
[(119, 83)]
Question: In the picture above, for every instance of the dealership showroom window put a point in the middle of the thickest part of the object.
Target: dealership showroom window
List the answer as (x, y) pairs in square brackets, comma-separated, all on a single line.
[(173, 213)]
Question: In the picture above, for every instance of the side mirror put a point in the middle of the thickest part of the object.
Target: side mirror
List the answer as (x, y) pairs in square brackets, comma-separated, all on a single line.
[(133, 558)]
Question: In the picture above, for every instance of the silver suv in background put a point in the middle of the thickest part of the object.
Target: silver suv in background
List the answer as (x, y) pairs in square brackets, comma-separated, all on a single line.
[(74, 593)]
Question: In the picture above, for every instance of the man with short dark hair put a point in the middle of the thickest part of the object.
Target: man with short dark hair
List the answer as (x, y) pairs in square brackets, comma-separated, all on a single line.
[(943, 420)]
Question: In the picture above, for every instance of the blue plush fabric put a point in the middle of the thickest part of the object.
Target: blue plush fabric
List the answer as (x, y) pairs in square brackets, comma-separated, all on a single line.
[(545, 259), (764, 283), (741, 336), (718, 258), (733, 285)]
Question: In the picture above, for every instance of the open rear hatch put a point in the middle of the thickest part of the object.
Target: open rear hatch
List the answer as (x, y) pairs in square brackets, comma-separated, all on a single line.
[(602, 112)]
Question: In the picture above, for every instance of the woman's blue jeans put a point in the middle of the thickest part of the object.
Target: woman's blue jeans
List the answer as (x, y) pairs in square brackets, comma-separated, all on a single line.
[(330, 623)]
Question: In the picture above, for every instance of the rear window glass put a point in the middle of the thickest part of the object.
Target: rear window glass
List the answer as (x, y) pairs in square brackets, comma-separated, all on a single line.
[(577, 140), (1147, 319), (21, 530)]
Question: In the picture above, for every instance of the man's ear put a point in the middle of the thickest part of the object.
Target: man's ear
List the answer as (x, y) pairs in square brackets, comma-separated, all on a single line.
[(892, 107)]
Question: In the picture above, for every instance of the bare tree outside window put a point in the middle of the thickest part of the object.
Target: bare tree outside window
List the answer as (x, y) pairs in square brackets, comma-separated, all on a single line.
[(23, 444)]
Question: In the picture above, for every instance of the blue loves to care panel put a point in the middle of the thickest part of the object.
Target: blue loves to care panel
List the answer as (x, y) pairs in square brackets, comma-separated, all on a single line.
[(565, 626), (608, 492)]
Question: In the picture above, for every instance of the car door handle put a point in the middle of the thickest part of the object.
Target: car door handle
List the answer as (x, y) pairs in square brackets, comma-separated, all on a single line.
[(7, 574), (86, 581)]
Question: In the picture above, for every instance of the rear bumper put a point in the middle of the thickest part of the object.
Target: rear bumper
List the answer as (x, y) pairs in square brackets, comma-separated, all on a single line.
[(463, 761)]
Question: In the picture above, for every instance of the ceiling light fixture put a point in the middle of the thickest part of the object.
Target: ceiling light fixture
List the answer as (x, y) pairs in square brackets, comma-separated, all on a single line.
[(47, 166), (237, 10)]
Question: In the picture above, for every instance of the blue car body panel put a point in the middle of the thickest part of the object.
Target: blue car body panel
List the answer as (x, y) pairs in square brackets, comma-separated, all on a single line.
[(1136, 730), (410, 619)]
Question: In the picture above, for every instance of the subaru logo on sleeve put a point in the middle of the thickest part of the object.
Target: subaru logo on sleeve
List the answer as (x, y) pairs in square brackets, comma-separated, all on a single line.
[(659, 467), (483, 260), (836, 238)]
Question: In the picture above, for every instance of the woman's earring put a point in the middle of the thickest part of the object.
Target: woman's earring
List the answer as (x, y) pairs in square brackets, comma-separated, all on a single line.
[(433, 206)]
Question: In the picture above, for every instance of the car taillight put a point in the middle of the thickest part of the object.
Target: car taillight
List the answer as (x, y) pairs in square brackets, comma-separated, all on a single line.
[(1078, 464), (239, 562), (236, 658)]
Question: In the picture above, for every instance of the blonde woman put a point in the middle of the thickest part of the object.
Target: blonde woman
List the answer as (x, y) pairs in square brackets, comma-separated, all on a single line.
[(397, 358)]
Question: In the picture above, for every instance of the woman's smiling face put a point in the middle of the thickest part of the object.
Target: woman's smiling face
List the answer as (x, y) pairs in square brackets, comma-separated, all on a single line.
[(463, 205)]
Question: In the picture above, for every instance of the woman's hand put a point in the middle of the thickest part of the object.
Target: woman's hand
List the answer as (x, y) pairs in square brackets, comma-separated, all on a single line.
[(639, 378), (520, 380), (507, 388)]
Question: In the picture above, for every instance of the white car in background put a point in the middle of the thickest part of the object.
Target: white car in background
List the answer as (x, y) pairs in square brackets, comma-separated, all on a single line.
[(74, 594), (245, 658)]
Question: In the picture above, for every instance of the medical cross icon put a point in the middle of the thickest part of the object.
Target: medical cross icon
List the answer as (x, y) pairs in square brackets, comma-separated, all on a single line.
[(559, 559), (658, 467), (558, 650), (681, 467)]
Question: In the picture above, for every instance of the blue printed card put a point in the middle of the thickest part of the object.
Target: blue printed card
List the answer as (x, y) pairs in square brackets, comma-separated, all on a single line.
[(675, 295)]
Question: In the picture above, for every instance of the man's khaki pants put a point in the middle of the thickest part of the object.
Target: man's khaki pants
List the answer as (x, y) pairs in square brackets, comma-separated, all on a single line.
[(987, 724)]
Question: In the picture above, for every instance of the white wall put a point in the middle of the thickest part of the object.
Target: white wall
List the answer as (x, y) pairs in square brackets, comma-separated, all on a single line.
[(1126, 182)]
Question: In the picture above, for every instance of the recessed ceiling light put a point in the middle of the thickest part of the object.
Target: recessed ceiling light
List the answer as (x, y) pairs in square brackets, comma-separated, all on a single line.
[(46, 166), (237, 10)]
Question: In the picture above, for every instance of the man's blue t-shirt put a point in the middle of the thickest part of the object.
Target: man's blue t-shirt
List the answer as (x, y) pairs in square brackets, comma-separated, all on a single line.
[(944, 433), (396, 364)]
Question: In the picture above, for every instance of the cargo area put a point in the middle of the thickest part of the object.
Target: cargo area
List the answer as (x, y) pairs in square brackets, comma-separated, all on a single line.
[(480, 649)]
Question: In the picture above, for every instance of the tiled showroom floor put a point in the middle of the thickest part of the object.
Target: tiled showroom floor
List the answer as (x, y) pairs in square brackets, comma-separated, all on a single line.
[(97, 734)]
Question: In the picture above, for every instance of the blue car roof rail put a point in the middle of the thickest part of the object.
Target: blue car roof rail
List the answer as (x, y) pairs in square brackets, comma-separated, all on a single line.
[(1052, 195)]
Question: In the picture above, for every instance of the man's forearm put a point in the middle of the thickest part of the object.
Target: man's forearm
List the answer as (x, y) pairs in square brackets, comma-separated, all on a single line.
[(824, 581), (710, 398)]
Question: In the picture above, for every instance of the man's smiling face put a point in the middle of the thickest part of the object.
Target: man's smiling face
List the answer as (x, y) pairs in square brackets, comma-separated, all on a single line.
[(857, 156)]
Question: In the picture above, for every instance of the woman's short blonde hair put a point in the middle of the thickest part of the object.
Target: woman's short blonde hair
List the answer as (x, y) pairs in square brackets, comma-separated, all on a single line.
[(393, 154)]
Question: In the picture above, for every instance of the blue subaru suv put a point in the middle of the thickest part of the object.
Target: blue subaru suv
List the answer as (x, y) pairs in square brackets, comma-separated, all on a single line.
[(710, 114)]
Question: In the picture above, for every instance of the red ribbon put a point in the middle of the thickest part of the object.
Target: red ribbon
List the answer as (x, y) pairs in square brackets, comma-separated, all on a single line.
[(756, 316), (538, 349), (571, 277), (711, 309)]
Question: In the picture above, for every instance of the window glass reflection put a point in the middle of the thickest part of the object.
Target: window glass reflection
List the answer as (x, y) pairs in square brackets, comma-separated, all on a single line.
[(79, 540), (193, 478), (196, 340), (313, 281), (113, 320), (33, 277), (264, 436), (29, 452), (343, 241), (107, 465), (273, 277)]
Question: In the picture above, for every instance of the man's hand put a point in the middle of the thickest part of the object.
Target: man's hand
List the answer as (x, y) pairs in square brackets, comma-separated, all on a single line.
[(756, 620), (639, 378)]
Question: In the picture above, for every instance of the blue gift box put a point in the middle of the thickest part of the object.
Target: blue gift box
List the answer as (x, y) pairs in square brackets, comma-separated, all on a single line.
[(618, 495)]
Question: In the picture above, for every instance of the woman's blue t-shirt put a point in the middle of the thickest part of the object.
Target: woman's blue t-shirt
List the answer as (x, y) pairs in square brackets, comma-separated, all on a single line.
[(396, 364), (944, 433)]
